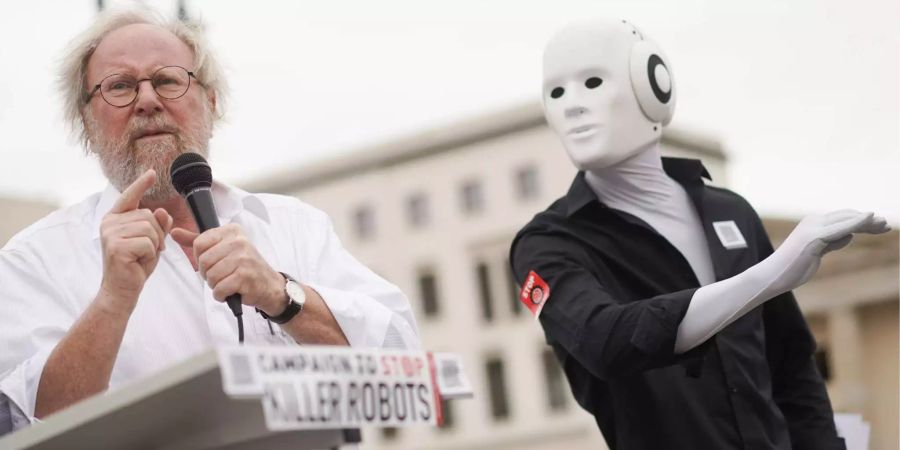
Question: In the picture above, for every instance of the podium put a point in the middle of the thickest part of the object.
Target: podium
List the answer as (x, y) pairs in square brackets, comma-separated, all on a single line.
[(182, 407)]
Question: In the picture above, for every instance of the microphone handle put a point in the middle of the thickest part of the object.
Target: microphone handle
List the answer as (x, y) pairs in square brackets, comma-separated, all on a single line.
[(204, 210), (202, 207)]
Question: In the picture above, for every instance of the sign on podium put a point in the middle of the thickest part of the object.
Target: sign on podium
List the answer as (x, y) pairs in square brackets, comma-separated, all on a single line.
[(245, 397)]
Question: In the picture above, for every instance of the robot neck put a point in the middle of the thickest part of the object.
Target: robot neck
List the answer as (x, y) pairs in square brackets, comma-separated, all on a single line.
[(639, 182)]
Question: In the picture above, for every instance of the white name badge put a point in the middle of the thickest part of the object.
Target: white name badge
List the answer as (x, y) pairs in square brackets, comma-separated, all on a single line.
[(730, 235)]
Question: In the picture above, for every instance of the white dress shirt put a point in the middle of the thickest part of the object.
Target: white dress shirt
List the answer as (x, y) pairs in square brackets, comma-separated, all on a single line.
[(51, 271)]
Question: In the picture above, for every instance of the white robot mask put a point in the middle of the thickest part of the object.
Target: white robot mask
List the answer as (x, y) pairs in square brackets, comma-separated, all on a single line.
[(607, 92)]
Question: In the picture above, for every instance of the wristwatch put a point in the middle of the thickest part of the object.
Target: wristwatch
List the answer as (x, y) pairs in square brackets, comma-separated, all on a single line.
[(296, 300)]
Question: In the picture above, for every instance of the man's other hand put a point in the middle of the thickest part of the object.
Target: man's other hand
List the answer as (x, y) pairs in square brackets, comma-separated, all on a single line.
[(131, 239)]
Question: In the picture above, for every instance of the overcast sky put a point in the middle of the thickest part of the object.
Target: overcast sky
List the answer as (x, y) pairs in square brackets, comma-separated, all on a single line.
[(802, 93)]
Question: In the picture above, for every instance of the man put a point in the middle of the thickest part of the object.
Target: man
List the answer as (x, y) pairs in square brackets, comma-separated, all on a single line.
[(662, 296), (122, 284)]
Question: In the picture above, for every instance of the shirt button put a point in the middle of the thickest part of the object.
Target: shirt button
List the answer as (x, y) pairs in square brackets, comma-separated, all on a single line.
[(734, 390)]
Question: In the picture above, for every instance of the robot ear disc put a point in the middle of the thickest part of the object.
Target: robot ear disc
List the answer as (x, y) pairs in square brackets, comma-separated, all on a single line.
[(660, 81), (652, 82)]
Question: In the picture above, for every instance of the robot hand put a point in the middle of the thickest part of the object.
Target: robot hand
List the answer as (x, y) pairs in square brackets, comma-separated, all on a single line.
[(799, 256)]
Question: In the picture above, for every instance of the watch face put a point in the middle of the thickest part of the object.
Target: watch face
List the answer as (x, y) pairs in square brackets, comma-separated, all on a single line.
[(295, 292)]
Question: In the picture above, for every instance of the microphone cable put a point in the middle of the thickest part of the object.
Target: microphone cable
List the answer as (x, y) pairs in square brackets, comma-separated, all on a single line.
[(239, 315)]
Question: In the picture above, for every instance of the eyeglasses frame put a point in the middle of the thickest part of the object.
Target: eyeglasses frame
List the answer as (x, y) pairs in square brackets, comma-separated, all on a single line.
[(137, 86)]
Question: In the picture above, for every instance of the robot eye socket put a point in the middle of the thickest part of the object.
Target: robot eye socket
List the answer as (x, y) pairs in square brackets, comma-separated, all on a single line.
[(593, 82), (557, 92)]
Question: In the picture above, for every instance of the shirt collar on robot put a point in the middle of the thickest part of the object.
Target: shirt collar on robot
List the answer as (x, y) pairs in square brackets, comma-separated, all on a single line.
[(229, 202), (682, 170)]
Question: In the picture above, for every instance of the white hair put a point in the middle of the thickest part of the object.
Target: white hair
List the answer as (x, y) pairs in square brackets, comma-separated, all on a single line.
[(73, 69)]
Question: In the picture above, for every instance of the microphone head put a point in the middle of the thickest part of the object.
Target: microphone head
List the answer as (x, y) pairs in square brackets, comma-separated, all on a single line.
[(190, 171)]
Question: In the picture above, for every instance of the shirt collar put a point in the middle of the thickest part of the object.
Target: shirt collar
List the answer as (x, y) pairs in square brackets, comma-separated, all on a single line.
[(683, 170), (229, 200)]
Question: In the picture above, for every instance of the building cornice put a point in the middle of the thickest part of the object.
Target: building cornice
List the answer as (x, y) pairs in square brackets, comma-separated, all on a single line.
[(436, 141)]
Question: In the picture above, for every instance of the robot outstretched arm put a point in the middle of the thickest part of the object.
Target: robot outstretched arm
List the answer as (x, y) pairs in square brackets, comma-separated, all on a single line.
[(715, 306)]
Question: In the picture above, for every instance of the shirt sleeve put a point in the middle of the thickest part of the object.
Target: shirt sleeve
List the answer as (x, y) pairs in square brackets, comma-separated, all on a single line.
[(33, 318), (797, 386), (370, 311), (608, 336)]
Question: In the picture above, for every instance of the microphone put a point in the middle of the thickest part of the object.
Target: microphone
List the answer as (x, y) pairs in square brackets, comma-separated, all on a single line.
[(192, 178)]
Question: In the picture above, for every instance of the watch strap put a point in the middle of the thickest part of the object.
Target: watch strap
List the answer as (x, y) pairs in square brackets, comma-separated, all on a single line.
[(292, 309)]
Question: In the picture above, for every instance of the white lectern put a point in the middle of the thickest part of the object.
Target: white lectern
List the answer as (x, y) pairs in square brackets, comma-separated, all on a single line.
[(182, 407)]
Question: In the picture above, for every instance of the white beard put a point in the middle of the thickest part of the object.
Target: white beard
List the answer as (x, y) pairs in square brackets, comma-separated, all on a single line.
[(123, 159)]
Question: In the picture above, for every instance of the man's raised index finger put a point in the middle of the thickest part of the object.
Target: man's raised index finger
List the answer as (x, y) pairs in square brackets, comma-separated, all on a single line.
[(133, 194)]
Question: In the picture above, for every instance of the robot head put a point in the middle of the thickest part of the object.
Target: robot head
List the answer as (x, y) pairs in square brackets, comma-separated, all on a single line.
[(607, 92)]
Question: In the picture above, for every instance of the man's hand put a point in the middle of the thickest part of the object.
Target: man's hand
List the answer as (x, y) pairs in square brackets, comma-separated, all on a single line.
[(816, 235), (231, 265), (131, 239)]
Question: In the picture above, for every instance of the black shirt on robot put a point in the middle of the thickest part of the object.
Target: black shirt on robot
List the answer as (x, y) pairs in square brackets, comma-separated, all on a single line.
[(618, 291)]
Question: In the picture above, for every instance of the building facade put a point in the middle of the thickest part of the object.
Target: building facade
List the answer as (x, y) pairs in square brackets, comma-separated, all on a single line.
[(435, 213), (18, 214)]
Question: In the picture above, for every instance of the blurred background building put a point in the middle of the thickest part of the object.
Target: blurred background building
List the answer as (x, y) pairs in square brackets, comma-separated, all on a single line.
[(19, 213), (435, 213)]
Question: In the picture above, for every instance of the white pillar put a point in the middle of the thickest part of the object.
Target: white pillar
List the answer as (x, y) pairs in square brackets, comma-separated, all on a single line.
[(846, 360)]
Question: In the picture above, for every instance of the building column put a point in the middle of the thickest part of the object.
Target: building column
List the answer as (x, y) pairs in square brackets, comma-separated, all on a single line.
[(845, 346)]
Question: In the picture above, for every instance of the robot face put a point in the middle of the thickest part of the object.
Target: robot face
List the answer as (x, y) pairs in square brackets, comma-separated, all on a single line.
[(588, 96)]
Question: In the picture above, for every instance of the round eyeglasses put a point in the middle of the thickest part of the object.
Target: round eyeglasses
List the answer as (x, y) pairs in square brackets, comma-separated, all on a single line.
[(120, 90)]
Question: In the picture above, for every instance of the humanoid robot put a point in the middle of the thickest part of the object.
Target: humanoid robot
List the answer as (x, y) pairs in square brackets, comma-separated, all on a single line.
[(662, 296)]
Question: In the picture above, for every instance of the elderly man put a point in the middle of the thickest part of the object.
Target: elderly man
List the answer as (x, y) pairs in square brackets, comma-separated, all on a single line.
[(122, 285)]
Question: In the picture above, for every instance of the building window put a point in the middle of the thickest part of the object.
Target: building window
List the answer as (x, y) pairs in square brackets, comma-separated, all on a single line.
[(364, 222), (472, 197), (556, 386), (417, 210), (428, 293), (515, 304), (447, 411), (484, 291), (497, 388), (527, 182), (389, 433)]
